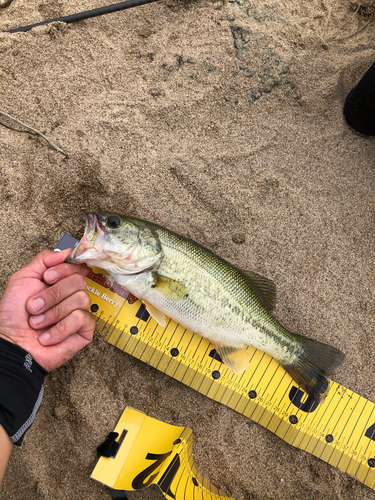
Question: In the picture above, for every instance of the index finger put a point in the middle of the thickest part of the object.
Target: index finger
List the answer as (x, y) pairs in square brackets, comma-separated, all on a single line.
[(56, 273), (43, 261)]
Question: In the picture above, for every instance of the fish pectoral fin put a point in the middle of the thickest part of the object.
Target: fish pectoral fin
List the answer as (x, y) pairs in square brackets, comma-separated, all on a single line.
[(171, 289), (263, 287), (157, 315), (237, 359)]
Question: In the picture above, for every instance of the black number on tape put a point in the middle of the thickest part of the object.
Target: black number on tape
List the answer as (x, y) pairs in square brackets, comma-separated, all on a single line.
[(139, 481), (370, 433), (142, 313), (215, 355), (295, 395), (168, 476)]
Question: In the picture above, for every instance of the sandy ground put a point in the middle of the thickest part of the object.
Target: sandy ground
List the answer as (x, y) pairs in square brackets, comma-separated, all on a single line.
[(221, 121)]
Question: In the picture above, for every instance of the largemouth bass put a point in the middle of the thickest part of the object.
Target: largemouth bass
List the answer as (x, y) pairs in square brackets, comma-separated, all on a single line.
[(179, 278)]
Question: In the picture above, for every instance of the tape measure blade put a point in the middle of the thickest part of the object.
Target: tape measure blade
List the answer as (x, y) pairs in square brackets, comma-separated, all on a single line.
[(186, 357)]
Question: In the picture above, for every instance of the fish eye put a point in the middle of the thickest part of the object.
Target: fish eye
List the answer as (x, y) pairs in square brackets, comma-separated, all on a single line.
[(113, 222)]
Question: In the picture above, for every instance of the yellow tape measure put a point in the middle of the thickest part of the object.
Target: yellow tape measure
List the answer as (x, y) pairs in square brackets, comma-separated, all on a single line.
[(340, 431), (132, 466)]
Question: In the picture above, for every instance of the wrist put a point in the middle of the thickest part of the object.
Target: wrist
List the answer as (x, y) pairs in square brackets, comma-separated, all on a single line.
[(6, 446), (5, 337), (21, 381)]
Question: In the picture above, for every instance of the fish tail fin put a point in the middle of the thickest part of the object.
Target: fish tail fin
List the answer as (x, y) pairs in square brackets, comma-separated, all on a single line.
[(315, 362)]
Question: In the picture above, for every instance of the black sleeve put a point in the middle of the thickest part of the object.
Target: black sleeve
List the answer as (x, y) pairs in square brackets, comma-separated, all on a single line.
[(21, 390)]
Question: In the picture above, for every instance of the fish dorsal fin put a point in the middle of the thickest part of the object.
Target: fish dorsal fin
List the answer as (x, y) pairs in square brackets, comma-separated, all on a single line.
[(158, 316), (237, 359), (171, 289), (263, 287)]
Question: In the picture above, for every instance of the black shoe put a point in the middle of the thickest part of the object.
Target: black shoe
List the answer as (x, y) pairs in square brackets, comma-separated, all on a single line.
[(359, 108)]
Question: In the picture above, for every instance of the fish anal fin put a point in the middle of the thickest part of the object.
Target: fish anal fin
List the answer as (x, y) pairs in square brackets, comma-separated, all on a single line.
[(263, 287), (169, 288), (157, 315), (237, 359)]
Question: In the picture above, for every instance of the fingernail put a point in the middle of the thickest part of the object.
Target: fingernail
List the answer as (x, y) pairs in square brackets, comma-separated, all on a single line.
[(37, 304), (44, 337), (50, 275), (36, 320)]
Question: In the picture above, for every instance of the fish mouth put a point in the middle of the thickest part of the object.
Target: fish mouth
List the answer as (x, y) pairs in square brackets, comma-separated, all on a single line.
[(89, 245)]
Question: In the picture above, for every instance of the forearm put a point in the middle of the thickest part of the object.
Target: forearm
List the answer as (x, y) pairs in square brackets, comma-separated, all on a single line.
[(6, 446), (25, 360)]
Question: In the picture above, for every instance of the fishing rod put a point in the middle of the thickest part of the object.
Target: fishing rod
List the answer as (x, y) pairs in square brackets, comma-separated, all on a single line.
[(80, 16)]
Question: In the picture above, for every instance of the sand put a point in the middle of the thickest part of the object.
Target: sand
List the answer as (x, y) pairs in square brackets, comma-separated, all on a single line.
[(222, 121)]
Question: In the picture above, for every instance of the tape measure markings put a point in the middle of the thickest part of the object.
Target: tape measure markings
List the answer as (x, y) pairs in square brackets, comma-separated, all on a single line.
[(117, 341), (339, 438), (359, 417), (181, 472), (217, 379), (309, 437), (269, 400), (248, 401), (189, 353), (291, 429), (320, 414), (209, 362), (254, 405), (199, 367), (140, 336), (351, 458), (280, 405), (261, 375), (194, 365), (145, 347), (323, 430), (178, 346), (130, 341), (248, 404), (326, 430), (161, 347), (178, 364), (270, 380), (371, 438), (277, 406), (231, 393)]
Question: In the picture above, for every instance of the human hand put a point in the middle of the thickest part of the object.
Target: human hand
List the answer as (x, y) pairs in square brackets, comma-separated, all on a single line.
[(44, 309)]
